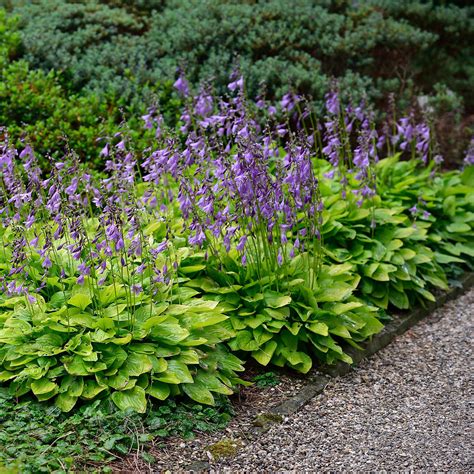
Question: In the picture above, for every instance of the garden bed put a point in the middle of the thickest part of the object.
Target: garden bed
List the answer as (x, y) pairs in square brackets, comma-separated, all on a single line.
[(242, 236)]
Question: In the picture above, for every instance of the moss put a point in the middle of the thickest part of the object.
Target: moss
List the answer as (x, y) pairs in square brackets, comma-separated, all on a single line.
[(224, 448), (265, 419)]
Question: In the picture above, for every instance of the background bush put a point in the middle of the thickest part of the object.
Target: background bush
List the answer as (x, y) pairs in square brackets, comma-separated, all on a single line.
[(123, 50), (376, 46), (44, 108)]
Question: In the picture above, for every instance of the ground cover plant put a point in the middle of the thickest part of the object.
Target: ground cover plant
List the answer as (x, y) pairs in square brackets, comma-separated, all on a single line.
[(39, 438)]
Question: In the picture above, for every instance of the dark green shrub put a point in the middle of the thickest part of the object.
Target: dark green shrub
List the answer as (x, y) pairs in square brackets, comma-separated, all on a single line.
[(373, 46), (123, 50), (39, 107)]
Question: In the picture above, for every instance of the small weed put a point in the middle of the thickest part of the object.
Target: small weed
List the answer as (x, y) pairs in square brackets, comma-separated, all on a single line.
[(266, 380)]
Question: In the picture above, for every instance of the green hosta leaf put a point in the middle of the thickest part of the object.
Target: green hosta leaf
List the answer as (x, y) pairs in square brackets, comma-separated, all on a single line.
[(372, 326), (298, 360), (279, 314), (188, 357), (275, 300), (254, 299), (159, 364), (111, 293), (83, 319), (115, 312), (265, 353), (426, 294), (261, 335), (154, 321), (176, 373), (75, 365), (59, 299), (80, 300), (120, 381), (458, 227), (383, 272), (318, 328), (136, 364), (6, 375), (159, 390), (48, 395), (133, 399), (74, 386), (198, 392), (65, 402), (191, 268), (183, 293), (244, 341), (203, 306), (255, 321), (407, 254), (403, 232), (42, 386), (169, 332), (294, 327), (399, 299), (443, 258), (204, 283), (11, 302), (122, 340), (92, 389), (340, 308), (394, 244), (340, 331), (212, 383), (200, 320), (338, 292), (336, 270)]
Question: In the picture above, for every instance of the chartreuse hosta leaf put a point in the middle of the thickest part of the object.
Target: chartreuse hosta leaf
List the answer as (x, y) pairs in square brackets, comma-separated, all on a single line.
[(71, 354), (284, 327)]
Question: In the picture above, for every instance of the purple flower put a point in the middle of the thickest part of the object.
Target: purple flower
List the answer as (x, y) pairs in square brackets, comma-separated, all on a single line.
[(237, 84), (241, 245), (332, 102), (161, 247), (182, 86), (288, 102), (105, 151)]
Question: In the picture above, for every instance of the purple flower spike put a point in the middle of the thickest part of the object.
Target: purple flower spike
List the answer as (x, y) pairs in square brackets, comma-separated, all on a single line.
[(182, 86), (105, 151), (237, 84), (241, 245), (162, 246)]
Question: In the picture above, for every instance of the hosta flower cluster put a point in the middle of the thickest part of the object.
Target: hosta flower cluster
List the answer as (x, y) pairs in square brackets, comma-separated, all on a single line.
[(253, 228)]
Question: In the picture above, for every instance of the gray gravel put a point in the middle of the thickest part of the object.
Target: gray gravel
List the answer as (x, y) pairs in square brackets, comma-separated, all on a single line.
[(407, 408)]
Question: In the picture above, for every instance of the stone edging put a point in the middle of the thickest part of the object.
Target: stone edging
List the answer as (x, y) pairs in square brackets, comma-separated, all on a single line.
[(317, 383)]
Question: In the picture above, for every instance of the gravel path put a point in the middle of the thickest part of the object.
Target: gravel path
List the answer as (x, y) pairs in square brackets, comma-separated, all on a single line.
[(407, 408)]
